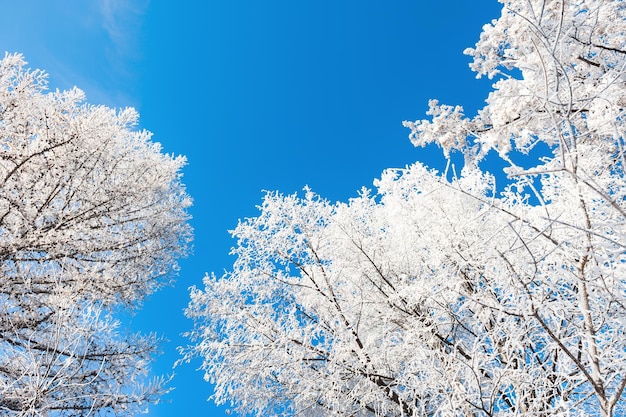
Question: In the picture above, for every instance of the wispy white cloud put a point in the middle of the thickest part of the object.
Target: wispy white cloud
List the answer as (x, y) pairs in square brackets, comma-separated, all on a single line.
[(94, 45), (122, 21)]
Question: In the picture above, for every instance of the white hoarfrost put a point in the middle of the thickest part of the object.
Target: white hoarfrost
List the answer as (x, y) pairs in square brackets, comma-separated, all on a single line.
[(92, 219), (439, 296)]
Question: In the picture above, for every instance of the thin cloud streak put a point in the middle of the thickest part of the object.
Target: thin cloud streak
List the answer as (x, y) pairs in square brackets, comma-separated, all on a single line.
[(122, 21)]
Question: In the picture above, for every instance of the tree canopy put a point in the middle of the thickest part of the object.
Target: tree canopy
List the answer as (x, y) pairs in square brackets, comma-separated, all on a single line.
[(92, 219), (447, 293)]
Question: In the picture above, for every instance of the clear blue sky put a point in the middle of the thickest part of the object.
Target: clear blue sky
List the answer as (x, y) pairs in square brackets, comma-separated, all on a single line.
[(259, 95)]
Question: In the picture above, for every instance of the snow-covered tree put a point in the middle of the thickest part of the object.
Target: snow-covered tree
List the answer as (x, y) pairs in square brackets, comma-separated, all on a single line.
[(444, 294), (92, 219)]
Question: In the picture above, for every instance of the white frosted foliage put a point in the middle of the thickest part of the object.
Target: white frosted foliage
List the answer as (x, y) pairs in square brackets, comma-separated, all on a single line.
[(92, 219), (442, 294)]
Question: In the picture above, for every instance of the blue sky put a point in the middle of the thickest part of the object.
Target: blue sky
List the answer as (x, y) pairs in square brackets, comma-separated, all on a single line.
[(271, 95)]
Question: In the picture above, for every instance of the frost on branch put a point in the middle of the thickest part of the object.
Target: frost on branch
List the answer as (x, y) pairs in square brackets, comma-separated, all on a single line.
[(448, 128), (92, 219), (559, 67), (444, 296)]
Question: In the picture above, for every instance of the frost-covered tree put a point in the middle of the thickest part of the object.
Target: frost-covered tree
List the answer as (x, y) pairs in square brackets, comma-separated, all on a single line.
[(92, 219), (443, 294)]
